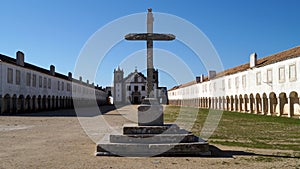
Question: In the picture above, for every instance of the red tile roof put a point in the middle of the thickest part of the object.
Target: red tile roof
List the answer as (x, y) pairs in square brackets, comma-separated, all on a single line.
[(284, 55)]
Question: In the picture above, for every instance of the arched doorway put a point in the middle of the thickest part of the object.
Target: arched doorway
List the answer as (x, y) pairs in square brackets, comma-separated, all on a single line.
[(282, 101), (246, 102), (265, 104), (20, 104), (33, 103), (252, 102), (14, 103), (44, 103), (294, 102), (258, 103), (273, 103), (39, 101), (231, 103), (241, 103), (27, 103), (6, 104)]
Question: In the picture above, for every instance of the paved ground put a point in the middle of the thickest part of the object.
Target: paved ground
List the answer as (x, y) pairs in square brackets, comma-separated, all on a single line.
[(57, 140)]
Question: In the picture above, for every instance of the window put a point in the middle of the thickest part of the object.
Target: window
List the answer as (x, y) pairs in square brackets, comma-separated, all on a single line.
[(244, 81), (62, 86), (229, 83), (68, 87), (281, 74), (28, 79), (49, 83), (258, 78), (215, 87), (223, 84), (237, 82), (40, 81), (45, 82), (143, 88), (34, 80), (136, 88), (136, 78), (18, 77), (58, 85), (292, 72), (9, 75), (129, 88), (269, 76)]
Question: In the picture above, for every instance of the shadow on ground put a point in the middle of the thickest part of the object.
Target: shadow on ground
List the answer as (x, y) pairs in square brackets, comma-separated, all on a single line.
[(84, 112), (218, 153)]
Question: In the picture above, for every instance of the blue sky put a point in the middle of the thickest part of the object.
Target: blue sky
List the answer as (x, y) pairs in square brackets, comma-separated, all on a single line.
[(54, 32)]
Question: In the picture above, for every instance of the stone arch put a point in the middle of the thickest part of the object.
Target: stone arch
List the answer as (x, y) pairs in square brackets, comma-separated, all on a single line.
[(33, 107), (216, 103), (57, 102), (264, 103), (27, 103), (220, 103), (20, 104), (6, 104), (258, 104), (246, 102), (282, 102), (252, 102), (227, 103), (39, 103), (48, 102), (223, 103), (273, 103), (61, 102), (236, 102), (209, 102), (53, 102), (231, 103), (64, 102), (44, 102), (14, 103), (294, 103), (241, 103)]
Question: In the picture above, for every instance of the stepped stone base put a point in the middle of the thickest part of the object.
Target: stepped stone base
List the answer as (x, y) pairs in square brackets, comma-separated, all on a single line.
[(168, 140)]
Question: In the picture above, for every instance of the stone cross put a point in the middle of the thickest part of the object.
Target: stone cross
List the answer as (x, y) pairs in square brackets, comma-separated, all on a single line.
[(149, 37)]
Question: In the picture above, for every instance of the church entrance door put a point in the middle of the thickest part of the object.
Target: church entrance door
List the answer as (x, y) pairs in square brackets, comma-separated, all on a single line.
[(136, 100)]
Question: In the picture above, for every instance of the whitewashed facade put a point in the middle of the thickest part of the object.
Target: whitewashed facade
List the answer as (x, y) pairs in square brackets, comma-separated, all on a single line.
[(133, 88), (267, 86), (28, 88)]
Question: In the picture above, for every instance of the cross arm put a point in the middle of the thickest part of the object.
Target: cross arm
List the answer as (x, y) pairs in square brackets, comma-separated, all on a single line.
[(150, 36)]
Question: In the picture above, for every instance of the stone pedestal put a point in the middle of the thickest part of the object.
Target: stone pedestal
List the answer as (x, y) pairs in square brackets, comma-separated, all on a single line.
[(150, 113), (151, 137), (164, 140)]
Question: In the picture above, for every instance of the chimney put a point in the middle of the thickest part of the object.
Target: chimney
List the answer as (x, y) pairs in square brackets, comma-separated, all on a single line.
[(198, 79), (52, 70), (201, 78), (212, 74), (87, 81), (20, 58), (253, 60), (80, 78), (70, 76)]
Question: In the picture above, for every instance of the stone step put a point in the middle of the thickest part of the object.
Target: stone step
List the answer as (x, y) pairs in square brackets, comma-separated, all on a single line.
[(133, 129), (152, 138), (135, 149)]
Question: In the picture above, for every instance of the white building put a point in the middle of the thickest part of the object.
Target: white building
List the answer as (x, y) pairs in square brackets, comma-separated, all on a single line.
[(267, 86), (133, 88), (26, 88)]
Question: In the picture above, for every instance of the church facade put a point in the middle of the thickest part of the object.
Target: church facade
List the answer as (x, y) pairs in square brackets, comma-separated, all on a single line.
[(266, 86), (133, 88)]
